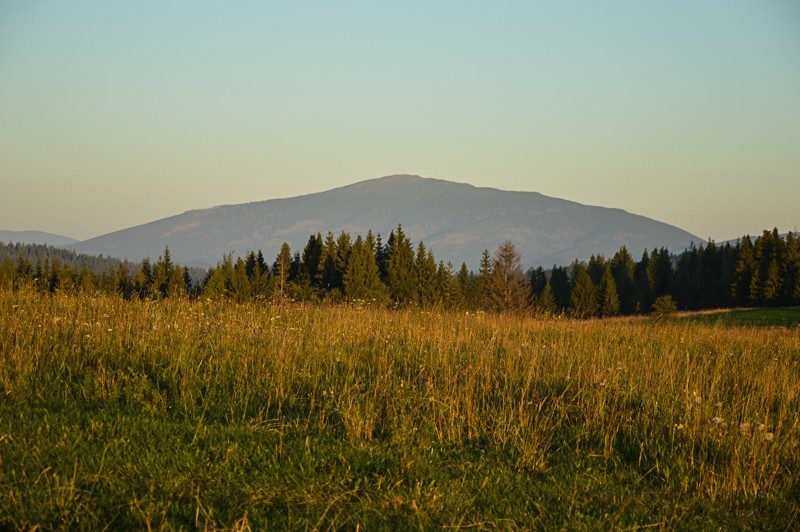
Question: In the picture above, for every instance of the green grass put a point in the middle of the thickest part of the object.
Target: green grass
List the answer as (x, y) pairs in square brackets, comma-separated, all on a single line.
[(758, 317), (178, 415)]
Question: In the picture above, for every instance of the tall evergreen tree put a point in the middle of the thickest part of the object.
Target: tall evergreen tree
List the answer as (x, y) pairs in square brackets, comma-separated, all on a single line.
[(643, 294), (465, 287), (330, 275), (609, 299), (162, 273), (537, 280), (483, 281), (622, 268), (546, 302), (312, 256), (281, 270), (362, 278), (143, 281), (509, 286), (241, 288), (560, 286), (595, 268), (743, 273), (400, 268), (659, 272), (425, 293), (584, 293)]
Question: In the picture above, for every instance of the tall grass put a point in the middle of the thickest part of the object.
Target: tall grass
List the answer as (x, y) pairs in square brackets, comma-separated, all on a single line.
[(145, 414)]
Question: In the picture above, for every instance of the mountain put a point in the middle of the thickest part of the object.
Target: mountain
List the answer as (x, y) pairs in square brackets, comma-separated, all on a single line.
[(36, 237), (457, 221)]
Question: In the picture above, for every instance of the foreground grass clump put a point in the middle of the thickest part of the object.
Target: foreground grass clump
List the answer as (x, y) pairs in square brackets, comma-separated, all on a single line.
[(148, 414)]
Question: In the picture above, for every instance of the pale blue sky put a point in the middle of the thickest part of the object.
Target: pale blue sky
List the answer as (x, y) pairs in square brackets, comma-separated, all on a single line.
[(114, 114)]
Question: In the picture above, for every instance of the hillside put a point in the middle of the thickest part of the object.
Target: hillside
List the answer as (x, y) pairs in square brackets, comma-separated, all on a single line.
[(35, 237), (457, 221)]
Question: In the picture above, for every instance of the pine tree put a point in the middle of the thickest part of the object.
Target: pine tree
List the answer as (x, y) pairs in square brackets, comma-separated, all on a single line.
[(596, 267), (771, 288), (509, 286), (240, 283), (643, 295), (362, 279), (537, 280), (281, 270), (483, 281), (464, 286), (622, 268), (584, 294), (400, 268), (312, 256), (546, 302), (560, 286), (330, 277), (425, 293), (218, 283), (609, 299), (659, 272), (144, 278)]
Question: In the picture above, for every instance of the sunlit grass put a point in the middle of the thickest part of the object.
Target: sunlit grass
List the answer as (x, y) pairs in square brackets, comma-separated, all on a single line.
[(189, 414)]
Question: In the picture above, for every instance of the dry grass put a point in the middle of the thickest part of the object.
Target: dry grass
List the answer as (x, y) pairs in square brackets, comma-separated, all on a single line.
[(690, 411)]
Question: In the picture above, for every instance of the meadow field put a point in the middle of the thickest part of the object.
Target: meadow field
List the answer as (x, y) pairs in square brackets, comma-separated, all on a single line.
[(178, 414)]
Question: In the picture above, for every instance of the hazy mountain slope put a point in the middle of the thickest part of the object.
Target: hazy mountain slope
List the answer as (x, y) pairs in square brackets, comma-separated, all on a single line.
[(35, 237), (457, 221)]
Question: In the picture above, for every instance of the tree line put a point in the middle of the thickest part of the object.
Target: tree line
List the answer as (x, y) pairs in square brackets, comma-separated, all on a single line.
[(761, 271)]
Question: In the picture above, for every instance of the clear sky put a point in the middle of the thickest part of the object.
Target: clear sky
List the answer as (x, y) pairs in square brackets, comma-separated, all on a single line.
[(113, 114)]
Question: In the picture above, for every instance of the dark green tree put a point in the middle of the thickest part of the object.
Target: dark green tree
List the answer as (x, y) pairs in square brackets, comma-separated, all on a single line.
[(622, 268), (281, 270), (546, 302), (609, 299), (509, 287), (400, 275), (583, 300), (362, 279)]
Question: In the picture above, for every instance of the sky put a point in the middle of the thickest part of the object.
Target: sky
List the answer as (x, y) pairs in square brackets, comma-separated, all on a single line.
[(114, 114)]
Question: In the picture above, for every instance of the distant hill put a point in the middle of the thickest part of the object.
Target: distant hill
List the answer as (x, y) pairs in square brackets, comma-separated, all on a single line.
[(457, 221), (35, 237)]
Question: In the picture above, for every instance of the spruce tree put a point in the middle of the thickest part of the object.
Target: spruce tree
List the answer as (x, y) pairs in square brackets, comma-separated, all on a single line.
[(312, 255), (509, 286), (281, 270), (546, 302), (584, 294), (560, 286), (622, 268), (330, 274), (362, 279), (144, 278), (609, 299), (400, 268), (483, 281), (771, 288), (465, 286), (240, 283)]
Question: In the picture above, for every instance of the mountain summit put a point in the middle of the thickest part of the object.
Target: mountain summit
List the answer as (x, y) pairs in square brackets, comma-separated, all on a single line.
[(455, 220)]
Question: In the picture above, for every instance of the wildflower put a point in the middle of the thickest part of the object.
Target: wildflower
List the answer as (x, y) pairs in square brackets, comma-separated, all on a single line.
[(718, 405), (680, 426), (697, 398), (769, 436), (717, 420), (744, 428)]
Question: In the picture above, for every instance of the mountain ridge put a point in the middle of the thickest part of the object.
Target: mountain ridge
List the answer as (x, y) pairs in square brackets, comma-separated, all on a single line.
[(36, 237), (455, 220)]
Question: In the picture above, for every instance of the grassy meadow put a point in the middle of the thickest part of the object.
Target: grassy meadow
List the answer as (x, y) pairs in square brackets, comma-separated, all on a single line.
[(178, 414)]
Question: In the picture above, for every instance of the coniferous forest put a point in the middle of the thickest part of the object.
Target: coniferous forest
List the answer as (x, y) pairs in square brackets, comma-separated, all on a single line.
[(760, 271)]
